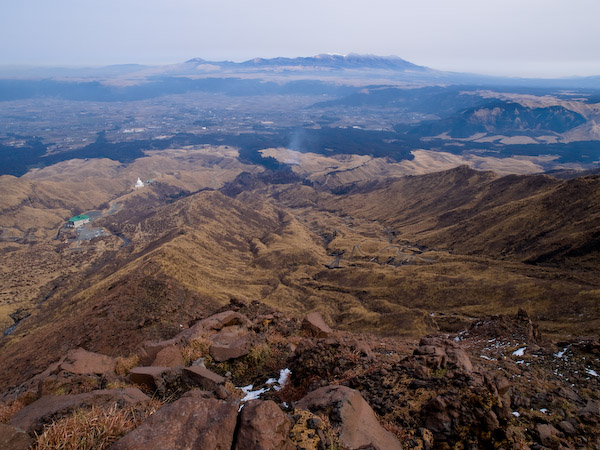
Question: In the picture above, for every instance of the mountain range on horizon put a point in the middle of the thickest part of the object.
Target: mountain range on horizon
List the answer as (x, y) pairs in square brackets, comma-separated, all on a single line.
[(350, 65)]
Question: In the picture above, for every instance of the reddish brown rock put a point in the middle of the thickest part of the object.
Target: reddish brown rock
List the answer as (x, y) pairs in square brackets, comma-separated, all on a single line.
[(215, 323), (263, 426), (82, 362), (439, 354), (591, 407), (229, 344), (150, 377), (547, 433), (315, 325), (14, 438), (358, 426), (502, 384), (567, 427), (192, 422), (33, 416), (224, 319), (202, 377), (150, 350), (169, 357)]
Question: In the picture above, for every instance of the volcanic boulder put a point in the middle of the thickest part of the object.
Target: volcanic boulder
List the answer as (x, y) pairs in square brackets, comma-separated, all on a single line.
[(263, 426), (193, 421), (356, 421)]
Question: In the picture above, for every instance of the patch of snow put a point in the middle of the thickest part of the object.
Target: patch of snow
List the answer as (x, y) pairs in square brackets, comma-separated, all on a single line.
[(516, 414), (249, 394), (284, 376), (519, 352), (456, 339), (520, 362), (544, 410), (561, 353), (592, 372), (486, 357)]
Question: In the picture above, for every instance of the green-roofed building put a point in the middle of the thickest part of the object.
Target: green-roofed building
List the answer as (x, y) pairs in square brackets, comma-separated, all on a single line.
[(78, 221)]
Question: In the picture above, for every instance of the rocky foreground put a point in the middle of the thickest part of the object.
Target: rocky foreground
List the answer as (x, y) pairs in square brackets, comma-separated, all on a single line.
[(250, 378)]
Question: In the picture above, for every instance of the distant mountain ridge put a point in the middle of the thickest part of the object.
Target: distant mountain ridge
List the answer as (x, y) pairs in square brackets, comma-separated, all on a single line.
[(349, 61), (503, 117), (353, 65)]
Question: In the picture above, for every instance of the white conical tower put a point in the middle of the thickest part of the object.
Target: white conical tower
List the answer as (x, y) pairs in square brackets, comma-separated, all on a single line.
[(139, 183)]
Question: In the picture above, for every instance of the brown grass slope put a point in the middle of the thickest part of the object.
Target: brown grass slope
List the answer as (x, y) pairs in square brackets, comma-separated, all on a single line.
[(189, 257), (532, 218), (480, 236), (186, 260)]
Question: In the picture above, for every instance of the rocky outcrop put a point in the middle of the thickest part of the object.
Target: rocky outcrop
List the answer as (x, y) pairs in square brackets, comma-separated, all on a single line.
[(263, 426), (80, 361), (214, 323), (169, 357), (232, 342), (356, 421), (315, 325), (547, 433), (202, 377), (440, 354), (517, 328), (34, 416), (192, 422), (470, 392), (152, 377)]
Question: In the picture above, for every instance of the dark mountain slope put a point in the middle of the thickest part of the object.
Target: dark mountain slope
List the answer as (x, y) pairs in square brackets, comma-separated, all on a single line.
[(526, 218), (500, 117)]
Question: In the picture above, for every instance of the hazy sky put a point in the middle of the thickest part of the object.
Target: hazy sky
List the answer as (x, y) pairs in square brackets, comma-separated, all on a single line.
[(507, 37)]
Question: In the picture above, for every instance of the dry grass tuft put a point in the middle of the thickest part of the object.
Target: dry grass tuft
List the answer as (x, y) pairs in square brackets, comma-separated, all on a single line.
[(124, 365), (7, 410), (233, 391), (198, 348), (95, 428), (118, 384), (396, 430)]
